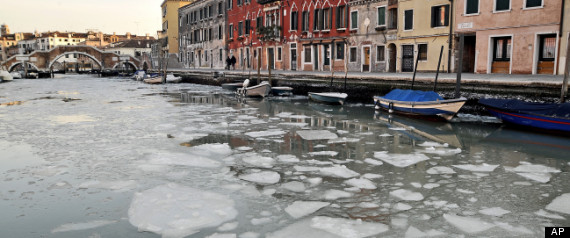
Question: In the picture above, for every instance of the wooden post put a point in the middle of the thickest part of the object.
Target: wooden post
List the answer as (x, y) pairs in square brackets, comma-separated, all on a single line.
[(415, 68), (345, 64), (459, 66), (564, 91), (437, 70), (331, 63)]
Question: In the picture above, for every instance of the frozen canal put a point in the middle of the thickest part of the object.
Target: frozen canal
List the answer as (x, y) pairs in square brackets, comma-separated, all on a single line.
[(100, 157)]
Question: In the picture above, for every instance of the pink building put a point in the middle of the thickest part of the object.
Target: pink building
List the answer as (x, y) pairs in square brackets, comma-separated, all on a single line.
[(509, 36)]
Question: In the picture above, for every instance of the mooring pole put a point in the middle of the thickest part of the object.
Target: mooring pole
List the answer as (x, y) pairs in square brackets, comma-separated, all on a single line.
[(437, 70), (564, 92), (415, 69), (459, 67)]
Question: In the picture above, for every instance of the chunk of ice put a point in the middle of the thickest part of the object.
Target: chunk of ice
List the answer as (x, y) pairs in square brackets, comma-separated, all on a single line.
[(333, 194), (169, 158), (361, 183), (402, 206), (535, 168), (302, 208), (560, 204), (222, 235), (339, 171), (112, 185), (546, 214), (373, 161), (372, 176), (82, 226), (348, 228), (294, 186), (468, 224), (264, 177), (400, 160), (178, 211), (256, 134), (440, 170), (413, 232), (477, 168), (323, 153), (259, 161), (228, 226), (407, 195), (316, 134), (539, 177), (287, 159), (494, 211)]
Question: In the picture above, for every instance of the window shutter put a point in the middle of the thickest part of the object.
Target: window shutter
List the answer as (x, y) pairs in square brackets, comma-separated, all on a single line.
[(316, 19), (347, 14), (330, 18), (337, 17), (446, 15), (433, 16)]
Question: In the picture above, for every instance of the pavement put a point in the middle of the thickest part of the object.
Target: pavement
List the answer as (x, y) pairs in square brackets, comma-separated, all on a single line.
[(499, 79)]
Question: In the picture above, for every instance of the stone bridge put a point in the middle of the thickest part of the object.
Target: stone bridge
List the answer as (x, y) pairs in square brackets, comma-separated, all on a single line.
[(43, 61)]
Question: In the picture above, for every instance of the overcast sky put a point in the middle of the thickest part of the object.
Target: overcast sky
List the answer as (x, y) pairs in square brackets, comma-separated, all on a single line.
[(120, 16)]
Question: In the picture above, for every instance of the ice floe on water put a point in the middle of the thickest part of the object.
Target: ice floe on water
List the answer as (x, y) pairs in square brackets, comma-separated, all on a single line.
[(324, 153), (316, 134), (294, 186), (256, 160), (469, 225), (326, 227), (302, 208), (441, 151), (477, 168), (172, 210), (373, 161), (339, 171), (287, 159), (560, 204), (361, 183), (537, 172), (494, 211), (546, 214), (413, 232), (263, 177), (256, 134), (407, 195), (440, 170), (111, 185), (185, 159), (333, 194), (400, 160), (82, 226)]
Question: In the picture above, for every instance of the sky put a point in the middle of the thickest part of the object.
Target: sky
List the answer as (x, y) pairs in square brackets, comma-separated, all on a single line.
[(121, 16)]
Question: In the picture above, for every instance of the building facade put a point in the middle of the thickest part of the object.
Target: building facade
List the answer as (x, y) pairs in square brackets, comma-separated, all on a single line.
[(565, 38), (169, 13), (201, 34), (510, 36)]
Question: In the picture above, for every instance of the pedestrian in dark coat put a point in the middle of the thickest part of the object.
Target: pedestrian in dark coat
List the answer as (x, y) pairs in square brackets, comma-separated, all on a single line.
[(228, 63), (233, 61)]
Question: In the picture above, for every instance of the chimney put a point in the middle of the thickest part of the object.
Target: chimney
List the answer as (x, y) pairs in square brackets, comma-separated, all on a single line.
[(147, 36), (128, 35)]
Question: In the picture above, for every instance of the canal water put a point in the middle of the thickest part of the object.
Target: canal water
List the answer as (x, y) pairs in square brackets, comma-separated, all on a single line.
[(101, 157)]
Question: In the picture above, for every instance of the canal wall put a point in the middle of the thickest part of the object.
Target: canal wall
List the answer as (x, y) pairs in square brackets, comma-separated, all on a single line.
[(361, 87)]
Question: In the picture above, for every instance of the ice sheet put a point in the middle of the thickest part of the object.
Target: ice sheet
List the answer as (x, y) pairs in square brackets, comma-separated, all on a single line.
[(333, 194), (264, 177), (477, 168), (361, 183), (176, 211), (268, 133), (560, 204), (82, 226), (469, 225), (407, 195), (494, 211), (302, 208), (339, 171), (400, 160), (324, 153), (316, 134), (440, 170)]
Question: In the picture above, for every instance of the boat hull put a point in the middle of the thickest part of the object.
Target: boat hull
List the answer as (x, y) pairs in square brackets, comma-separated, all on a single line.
[(154, 80), (331, 98), (536, 121), (445, 109), (260, 90)]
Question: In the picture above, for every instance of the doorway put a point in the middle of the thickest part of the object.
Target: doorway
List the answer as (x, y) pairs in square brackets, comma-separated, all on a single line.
[(316, 57), (469, 43), (391, 58), (546, 54), (366, 60), (293, 56), (407, 58), (271, 58), (501, 63)]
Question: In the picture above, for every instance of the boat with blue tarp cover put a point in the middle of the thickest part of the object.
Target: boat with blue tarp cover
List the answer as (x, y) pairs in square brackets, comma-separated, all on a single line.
[(419, 103), (548, 116)]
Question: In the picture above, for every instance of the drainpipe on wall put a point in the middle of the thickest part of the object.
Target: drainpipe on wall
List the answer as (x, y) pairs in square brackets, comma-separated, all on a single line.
[(450, 36), (561, 34)]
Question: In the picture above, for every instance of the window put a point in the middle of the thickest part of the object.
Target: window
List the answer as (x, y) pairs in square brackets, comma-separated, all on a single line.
[(380, 53), (305, 25), (210, 11), (502, 49), (240, 28), (547, 47), (279, 53), (206, 55), (238, 3), (230, 3), (440, 16), (231, 32), (502, 5), (341, 17), (326, 19), (247, 26), (381, 16), (408, 19), (259, 22), (316, 20), (220, 8), (353, 20), (533, 3), (164, 11), (422, 51), (352, 54), (340, 51), (220, 34), (471, 7), (294, 21), (307, 54)]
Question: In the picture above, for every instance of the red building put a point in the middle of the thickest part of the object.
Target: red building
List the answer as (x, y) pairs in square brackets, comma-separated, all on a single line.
[(306, 35)]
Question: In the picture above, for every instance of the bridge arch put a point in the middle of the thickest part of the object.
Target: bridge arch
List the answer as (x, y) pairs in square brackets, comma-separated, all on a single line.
[(74, 52), (20, 63), (129, 62)]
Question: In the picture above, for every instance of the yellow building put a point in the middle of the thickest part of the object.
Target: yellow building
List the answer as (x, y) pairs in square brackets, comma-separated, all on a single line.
[(170, 22), (423, 28)]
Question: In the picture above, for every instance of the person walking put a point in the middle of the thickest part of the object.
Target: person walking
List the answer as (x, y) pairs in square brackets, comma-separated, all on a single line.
[(233, 61), (228, 63)]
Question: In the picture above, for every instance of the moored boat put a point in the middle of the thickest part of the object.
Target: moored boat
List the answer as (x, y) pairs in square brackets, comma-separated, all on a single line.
[(261, 90), (419, 103), (153, 80), (282, 91), (548, 116), (333, 98), (5, 76)]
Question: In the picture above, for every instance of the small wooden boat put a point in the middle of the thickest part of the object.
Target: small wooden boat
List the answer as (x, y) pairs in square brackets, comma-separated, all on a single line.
[(153, 80), (232, 86), (419, 103), (282, 91), (548, 116), (332, 98), (261, 90), (5, 76)]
